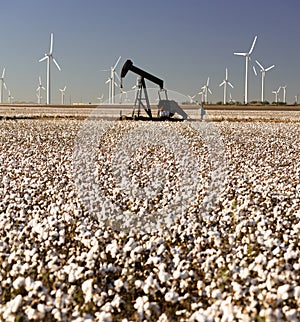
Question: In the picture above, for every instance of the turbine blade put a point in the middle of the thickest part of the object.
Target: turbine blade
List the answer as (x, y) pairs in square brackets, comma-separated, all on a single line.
[(116, 63), (56, 63), (51, 44), (3, 72), (45, 57), (207, 82), (270, 67), (226, 73), (4, 85), (223, 83), (253, 44), (40, 81), (240, 54), (254, 70), (209, 91), (230, 85), (117, 76), (259, 64)]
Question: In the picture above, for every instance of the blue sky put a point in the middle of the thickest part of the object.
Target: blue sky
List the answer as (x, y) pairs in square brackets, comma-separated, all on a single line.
[(181, 42)]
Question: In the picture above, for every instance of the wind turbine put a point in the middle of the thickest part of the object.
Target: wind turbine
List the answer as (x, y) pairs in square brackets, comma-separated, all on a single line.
[(109, 90), (224, 83), (10, 97), (276, 94), (49, 57), (247, 58), (231, 101), (206, 89), (121, 97), (63, 95), (100, 98), (191, 98), (263, 75), (2, 85), (202, 96), (284, 94), (39, 89), (111, 81), (138, 85)]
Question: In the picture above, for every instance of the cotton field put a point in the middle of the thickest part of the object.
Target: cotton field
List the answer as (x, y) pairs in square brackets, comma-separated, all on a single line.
[(140, 221)]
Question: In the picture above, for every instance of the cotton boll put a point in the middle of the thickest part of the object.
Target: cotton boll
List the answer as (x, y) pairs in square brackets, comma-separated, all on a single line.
[(19, 282), (283, 292), (163, 276), (16, 303), (87, 289), (171, 296), (104, 316)]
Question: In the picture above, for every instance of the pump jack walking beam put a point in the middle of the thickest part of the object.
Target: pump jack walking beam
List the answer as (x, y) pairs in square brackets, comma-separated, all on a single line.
[(129, 66)]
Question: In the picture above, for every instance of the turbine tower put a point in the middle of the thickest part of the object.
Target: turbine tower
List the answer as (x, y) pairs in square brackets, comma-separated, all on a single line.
[(63, 95), (247, 58), (224, 83), (2, 84), (49, 57), (263, 75), (39, 90)]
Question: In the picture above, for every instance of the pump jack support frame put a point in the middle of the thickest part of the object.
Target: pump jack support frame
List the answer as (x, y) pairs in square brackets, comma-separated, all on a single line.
[(139, 99)]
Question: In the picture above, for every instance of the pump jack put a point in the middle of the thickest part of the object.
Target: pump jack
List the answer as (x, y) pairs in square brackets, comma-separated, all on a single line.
[(166, 107)]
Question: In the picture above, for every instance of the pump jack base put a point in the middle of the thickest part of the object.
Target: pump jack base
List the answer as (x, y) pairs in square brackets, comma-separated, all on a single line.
[(147, 118)]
